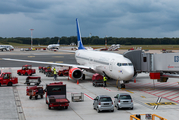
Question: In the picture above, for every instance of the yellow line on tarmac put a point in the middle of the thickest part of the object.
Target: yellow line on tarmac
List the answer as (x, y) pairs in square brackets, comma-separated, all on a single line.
[(58, 56), (143, 96), (130, 91)]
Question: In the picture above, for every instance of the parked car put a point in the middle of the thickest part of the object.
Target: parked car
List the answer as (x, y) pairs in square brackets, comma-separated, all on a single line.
[(28, 49), (22, 49), (103, 102), (123, 100)]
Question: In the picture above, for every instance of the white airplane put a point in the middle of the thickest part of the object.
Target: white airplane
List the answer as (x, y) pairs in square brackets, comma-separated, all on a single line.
[(54, 46), (6, 47), (112, 65)]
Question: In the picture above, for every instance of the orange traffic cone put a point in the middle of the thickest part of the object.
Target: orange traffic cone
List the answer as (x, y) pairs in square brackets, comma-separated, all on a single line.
[(77, 82)]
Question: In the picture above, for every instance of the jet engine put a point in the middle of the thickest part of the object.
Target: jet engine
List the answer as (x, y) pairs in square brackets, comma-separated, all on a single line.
[(75, 73)]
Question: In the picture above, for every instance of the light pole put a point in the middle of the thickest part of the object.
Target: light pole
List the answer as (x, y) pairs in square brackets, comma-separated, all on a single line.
[(31, 38)]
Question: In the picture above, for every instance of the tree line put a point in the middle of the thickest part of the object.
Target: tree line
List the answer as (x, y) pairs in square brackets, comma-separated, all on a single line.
[(94, 40)]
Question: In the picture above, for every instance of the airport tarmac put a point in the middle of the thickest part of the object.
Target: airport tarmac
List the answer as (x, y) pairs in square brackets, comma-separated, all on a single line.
[(15, 105)]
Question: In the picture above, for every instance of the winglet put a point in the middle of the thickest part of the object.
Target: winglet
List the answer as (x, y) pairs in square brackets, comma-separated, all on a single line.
[(80, 44)]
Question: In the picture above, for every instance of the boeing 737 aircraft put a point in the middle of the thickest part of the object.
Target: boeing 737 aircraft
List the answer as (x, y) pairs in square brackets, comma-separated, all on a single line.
[(54, 46), (6, 47), (112, 65)]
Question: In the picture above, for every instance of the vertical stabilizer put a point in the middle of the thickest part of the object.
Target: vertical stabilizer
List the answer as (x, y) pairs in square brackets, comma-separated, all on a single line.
[(58, 42), (80, 44)]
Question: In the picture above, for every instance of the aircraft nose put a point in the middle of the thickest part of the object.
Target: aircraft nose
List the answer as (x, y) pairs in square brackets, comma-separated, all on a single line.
[(128, 73)]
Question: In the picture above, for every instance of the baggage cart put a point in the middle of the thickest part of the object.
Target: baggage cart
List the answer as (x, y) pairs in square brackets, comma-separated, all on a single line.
[(36, 80), (35, 92), (77, 97)]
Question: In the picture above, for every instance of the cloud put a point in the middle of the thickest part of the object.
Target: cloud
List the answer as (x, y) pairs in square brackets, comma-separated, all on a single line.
[(126, 18)]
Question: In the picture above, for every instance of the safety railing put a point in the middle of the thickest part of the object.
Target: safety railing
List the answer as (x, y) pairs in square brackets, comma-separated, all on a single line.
[(146, 117)]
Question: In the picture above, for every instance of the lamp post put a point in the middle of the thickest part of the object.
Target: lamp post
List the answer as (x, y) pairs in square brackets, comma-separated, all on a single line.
[(31, 38)]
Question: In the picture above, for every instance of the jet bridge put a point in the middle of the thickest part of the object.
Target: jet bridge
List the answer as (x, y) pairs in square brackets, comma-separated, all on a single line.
[(160, 66)]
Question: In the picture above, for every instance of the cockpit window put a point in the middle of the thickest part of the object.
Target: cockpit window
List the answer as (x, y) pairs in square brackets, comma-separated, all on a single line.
[(130, 64), (124, 64)]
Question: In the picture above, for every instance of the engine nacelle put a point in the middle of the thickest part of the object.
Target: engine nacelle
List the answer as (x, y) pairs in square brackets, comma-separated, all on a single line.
[(75, 73)]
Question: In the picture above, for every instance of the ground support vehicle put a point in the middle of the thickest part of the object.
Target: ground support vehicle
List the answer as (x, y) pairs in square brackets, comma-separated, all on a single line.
[(40, 68), (77, 97), (35, 91), (49, 73), (63, 72), (7, 79), (46, 68), (26, 70), (56, 95), (97, 80), (36, 80)]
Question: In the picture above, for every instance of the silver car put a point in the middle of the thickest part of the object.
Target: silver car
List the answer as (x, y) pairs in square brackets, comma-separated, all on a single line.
[(123, 100), (103, 102)]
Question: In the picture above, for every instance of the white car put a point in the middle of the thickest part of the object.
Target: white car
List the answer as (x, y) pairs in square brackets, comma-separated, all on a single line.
[(22, 49), (123, 100), (103, 102)]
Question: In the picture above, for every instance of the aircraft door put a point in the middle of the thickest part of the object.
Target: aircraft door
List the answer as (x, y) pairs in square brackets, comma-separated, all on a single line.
[(111, 64)]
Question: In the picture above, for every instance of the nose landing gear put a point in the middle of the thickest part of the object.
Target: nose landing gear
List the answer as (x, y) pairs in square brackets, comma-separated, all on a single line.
[(120, 84)]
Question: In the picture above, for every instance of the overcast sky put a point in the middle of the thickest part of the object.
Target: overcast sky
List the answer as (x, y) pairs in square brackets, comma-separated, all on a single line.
[(115, 18)]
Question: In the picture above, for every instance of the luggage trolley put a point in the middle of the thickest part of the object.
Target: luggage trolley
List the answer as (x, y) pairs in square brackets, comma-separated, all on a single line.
[(30, 79), (77, 97), (35, 91)]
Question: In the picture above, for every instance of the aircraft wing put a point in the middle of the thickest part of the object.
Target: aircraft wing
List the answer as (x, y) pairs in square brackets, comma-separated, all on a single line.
[(57, 64)]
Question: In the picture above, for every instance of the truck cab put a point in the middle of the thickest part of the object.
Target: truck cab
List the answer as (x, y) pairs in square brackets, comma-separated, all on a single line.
[(7, 79), (26, 70)]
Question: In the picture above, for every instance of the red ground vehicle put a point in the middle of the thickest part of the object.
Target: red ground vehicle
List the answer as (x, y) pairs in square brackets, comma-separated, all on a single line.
[(56, 95), (35, 91), (7, 79), (97, 80), (63, 72), (40, 68), (26, 70)]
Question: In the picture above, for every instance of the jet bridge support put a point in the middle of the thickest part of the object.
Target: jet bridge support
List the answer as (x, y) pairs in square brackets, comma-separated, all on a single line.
[(160, 66)]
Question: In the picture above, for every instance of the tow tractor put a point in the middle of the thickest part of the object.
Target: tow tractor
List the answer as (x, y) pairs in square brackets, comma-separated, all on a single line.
[(26, 70), (7, 79), (56, 95)]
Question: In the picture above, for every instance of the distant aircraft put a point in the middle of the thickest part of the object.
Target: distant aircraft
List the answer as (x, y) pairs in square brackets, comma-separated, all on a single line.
[(112, 65), (6, 47), (54, 46)]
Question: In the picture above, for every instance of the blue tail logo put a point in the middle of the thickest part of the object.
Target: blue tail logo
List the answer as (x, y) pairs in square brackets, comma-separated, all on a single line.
[(58, 42), (80, 44)]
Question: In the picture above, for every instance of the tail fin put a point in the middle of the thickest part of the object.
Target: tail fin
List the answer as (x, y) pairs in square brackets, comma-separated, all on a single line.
[(80, 44), (58, 42)]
